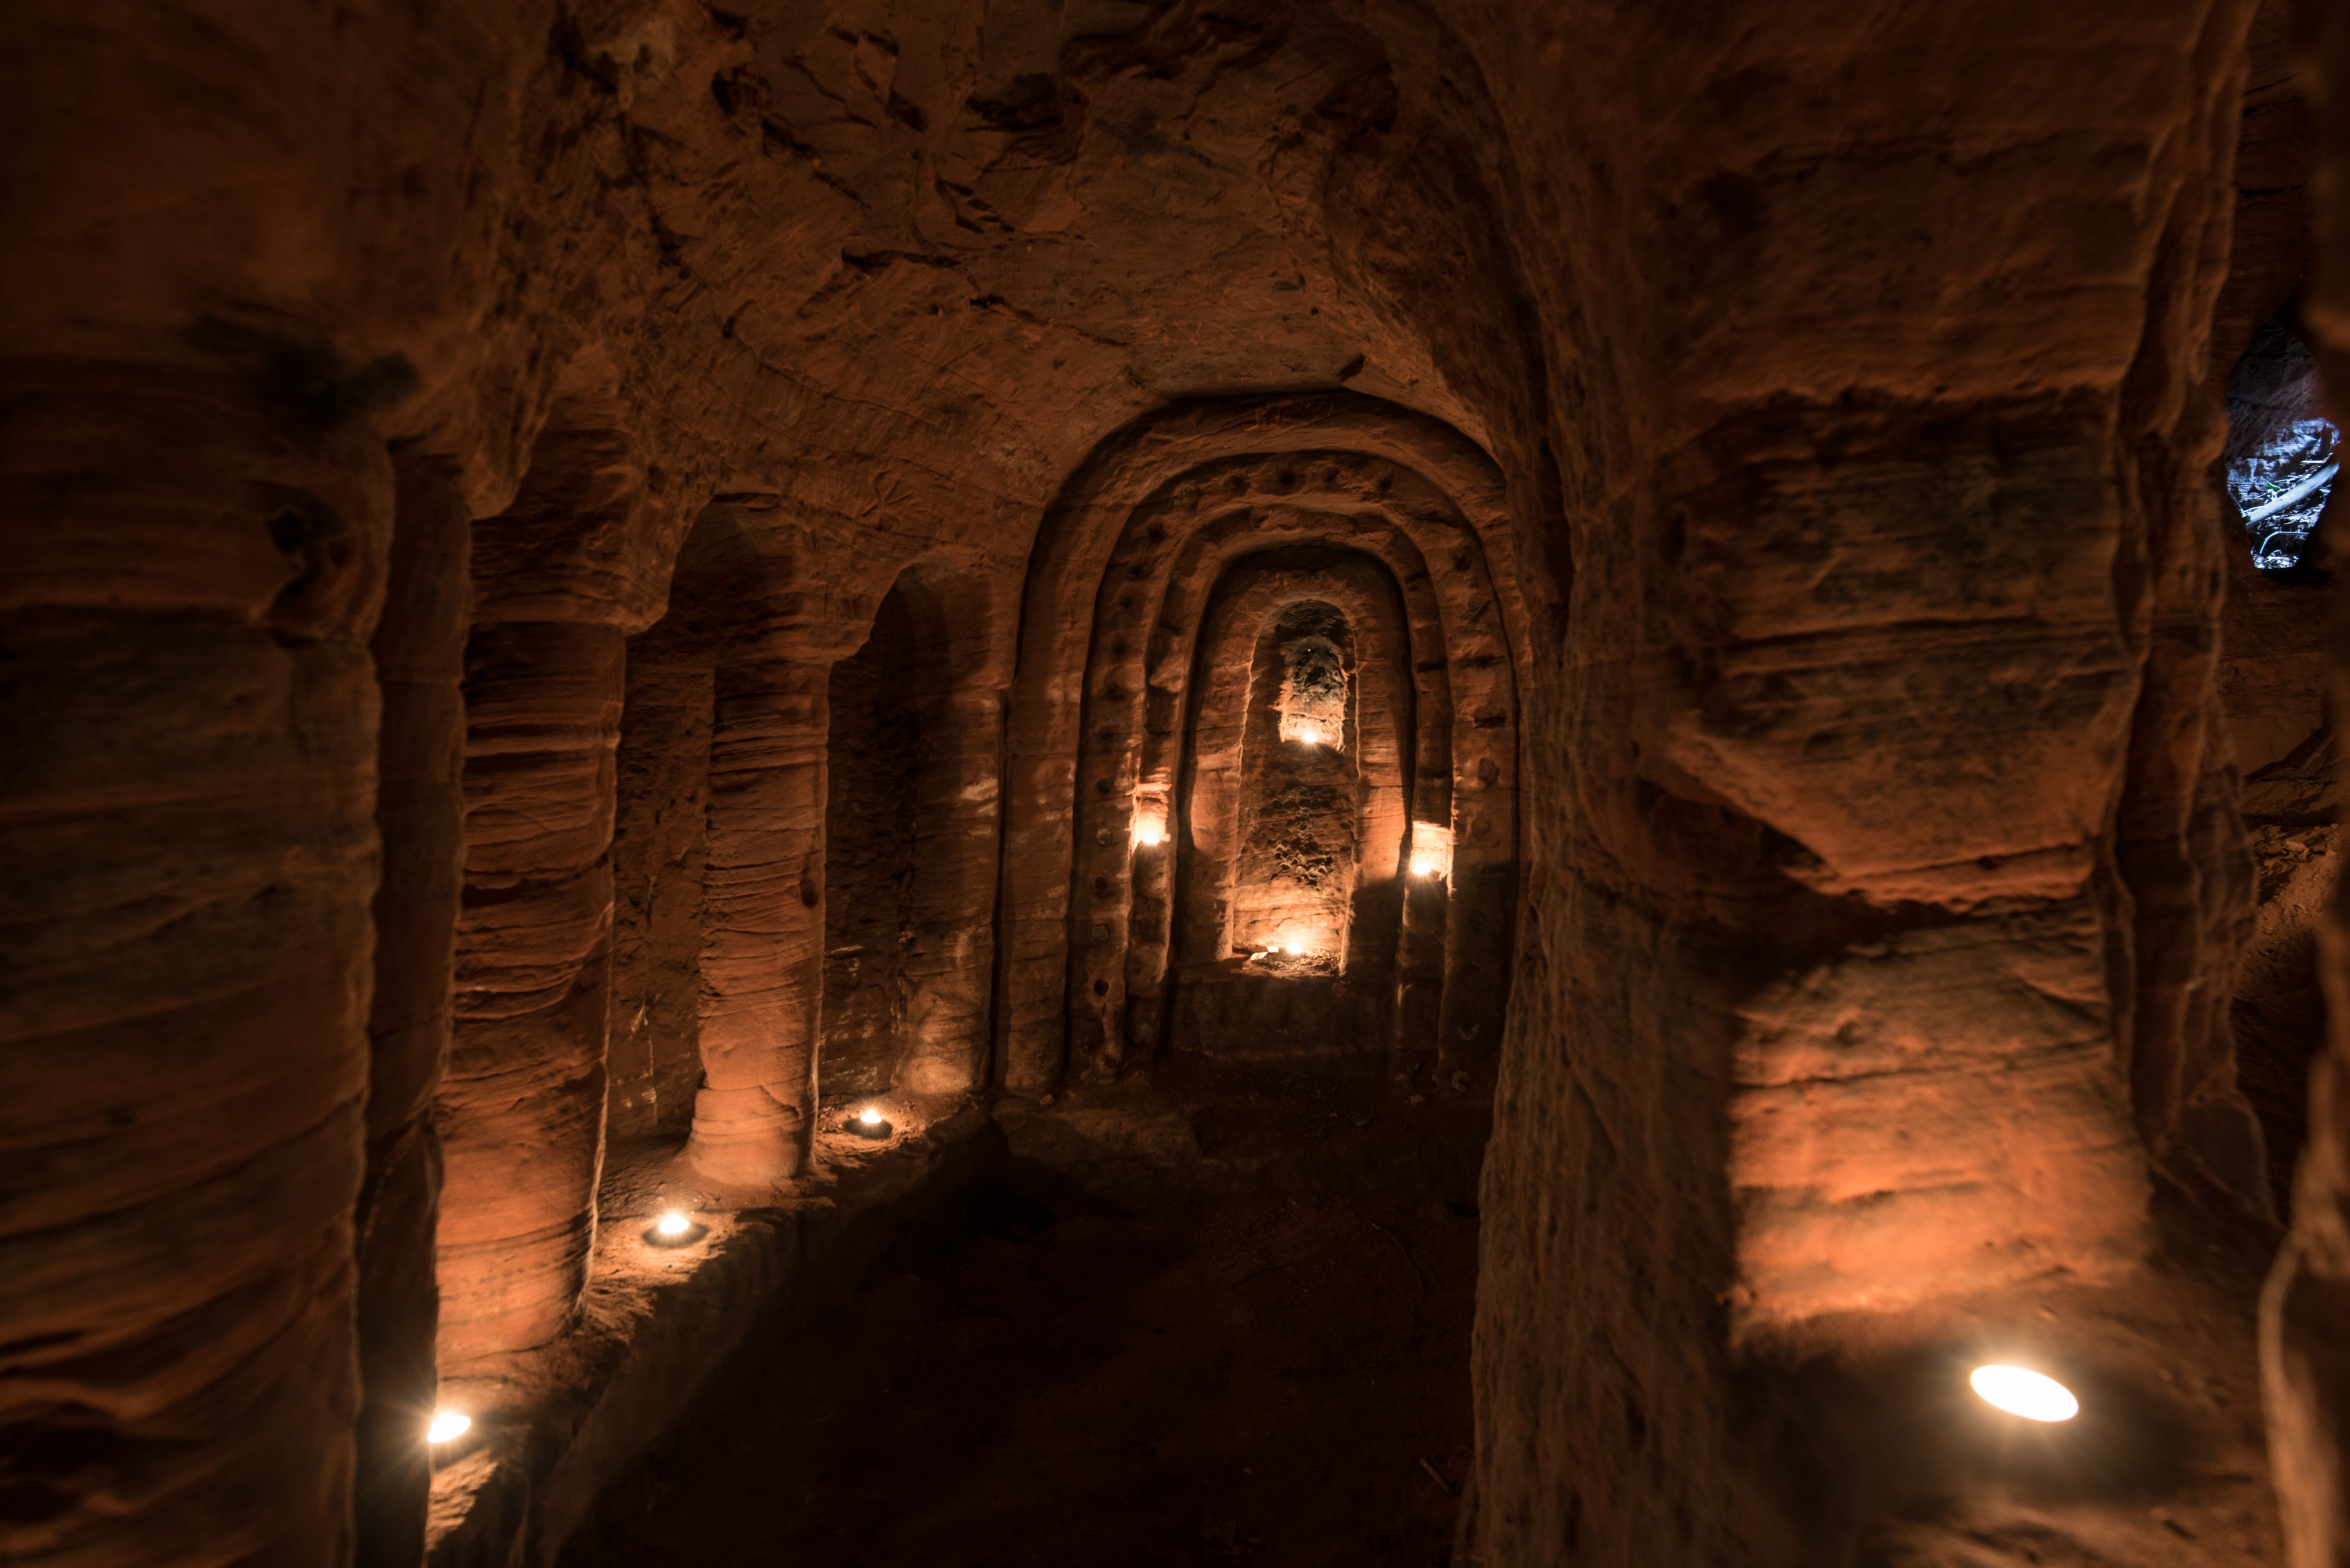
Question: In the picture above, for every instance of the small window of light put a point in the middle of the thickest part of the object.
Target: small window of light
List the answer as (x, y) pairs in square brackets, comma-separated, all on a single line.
[(1313, 701), (1431, 850), (2022, 1392), (448, 1426)]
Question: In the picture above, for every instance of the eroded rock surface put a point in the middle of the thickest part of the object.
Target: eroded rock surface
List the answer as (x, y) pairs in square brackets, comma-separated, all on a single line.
[(1766, 448)]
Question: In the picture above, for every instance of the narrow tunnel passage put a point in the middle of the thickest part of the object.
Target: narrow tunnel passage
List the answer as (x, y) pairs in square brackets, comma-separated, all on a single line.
[(1190, 607)]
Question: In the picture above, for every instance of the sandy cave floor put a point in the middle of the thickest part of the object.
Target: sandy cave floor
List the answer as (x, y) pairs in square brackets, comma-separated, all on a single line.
[(1064, 1381), (1267, 1362)]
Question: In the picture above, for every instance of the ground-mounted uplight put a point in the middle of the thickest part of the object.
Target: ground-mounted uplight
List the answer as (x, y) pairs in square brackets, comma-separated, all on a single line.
[(869, 1123), (1150, 821), (447, 1426), (2020, 1391), (1292, 946), (674, 1229)]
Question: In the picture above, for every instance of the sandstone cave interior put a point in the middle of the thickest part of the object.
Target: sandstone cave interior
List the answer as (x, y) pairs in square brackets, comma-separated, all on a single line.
[(1323, 784)]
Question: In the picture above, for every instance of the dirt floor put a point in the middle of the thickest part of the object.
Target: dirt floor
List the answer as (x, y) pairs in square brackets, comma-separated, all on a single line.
[(1198, 1373)]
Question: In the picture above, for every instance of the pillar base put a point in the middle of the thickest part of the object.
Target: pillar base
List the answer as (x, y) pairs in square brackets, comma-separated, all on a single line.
[(745, 1138)]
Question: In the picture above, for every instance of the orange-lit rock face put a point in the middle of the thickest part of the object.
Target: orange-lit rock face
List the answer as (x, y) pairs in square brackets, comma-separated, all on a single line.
[(1202, 527), (2308, 1377), (1300, 849), (1290, 868), (190, 828), (910, 844), (1748, 466)]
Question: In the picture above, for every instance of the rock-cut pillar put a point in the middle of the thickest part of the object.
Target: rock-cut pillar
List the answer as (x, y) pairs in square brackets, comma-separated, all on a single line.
[(418, 648), (762, 921), (559, 580), (522, 1109), (187, 821)]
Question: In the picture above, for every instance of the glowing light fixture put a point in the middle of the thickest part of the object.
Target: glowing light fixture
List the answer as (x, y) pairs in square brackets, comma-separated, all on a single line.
[(1150, 816), (1432, 850), (675, 1227), (870, 1123), (2025, 1392), (448, 1426), (673, 1223)]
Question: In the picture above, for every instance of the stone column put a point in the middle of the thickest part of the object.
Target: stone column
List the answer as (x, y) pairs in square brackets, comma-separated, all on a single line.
[(559, 580), (522, 1110), (187, 820), (418, 648), (952, 965), (657, 864), (762, 919)]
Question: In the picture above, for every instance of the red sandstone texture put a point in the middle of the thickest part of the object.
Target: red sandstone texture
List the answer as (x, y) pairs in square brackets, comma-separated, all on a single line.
[(1766, 446), (2306, 1371)]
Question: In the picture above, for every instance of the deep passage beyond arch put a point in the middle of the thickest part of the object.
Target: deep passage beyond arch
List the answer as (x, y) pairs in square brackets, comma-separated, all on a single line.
[(1123, 568)]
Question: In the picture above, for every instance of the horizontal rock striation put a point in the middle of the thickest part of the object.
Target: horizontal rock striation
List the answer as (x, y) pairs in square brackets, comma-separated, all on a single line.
[(1784, 430)]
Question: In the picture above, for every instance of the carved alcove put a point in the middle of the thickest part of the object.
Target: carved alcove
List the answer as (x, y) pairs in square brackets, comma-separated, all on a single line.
[(1192, 536), (909, 841), (1295, 797)]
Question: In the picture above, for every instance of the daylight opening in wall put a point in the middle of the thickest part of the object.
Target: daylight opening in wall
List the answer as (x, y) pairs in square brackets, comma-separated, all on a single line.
[(1431, 850), (1313, 701), (2282, 458), (2282, 488)]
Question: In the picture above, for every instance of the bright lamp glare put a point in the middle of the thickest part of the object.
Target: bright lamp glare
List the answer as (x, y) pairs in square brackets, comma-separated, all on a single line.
[(446, 1425), (1426, 867), (1150, 834), (870, 1115), (674, 1224), (2026, 1394)]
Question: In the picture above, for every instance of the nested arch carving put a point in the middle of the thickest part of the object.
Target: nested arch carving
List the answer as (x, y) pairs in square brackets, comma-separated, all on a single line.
[(1126, 567), (1259, 813)]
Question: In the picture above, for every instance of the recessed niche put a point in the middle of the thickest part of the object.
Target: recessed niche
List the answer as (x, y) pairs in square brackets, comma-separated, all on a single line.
[(1312, 707), (1295, 778), (1300, 794)]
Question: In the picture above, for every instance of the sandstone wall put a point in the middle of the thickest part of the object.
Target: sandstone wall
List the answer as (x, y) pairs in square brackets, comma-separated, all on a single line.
[(1794, 417), (1884, 880), (419, 650), (874, 759), (2307, 1375)]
